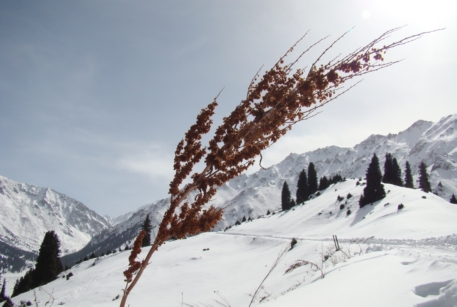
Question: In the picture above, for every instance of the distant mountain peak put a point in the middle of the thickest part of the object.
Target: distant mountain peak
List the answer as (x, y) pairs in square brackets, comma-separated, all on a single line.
[(28, 212)]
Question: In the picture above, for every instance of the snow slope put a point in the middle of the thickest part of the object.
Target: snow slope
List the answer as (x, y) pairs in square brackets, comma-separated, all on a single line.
[(388, 257), (253, 195)]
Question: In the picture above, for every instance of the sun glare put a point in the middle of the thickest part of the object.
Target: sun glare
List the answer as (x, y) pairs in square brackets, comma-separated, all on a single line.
[(416, 12)]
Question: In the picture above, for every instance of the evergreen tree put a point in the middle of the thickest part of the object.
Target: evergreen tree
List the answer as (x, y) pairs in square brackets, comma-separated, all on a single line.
[(396, 172), (409, 182), (147, 227), (302, 188), (23, 284), (323, 183), (424, 184), (388, 169), (453, 200), (335, 179), (3, 292), (286, 199), (312, 179), (48, 264), (47, 267), (374, 189)]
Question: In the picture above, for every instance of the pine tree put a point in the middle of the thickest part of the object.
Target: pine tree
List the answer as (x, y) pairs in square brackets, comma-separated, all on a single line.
[(312, 179), (374, 190), (3, 292), (302, 188), (424, 184), (388, 169), (453, 200), (48, 264), (396, 173), (286, 199), (47, 267), (335, 179), (147, 227), (23, 284), (323, 183), (409, 182)]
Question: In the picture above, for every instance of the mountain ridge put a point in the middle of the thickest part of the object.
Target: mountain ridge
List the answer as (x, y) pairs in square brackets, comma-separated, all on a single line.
[(251, 195), (28, 212)]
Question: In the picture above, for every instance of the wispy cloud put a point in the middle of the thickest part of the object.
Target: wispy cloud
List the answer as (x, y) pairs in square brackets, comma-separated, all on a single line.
[(151, 161)]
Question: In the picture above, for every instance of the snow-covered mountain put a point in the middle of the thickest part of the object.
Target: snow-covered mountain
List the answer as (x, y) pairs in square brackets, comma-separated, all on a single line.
[(387, 257), (253, 195), (28, 212)]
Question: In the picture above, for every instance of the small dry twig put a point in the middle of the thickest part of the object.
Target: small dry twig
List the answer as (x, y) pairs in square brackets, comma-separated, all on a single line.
[(278, 259)]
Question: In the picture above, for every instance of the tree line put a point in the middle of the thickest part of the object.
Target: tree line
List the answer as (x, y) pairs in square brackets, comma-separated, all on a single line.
[(374, 189), (307, 184)]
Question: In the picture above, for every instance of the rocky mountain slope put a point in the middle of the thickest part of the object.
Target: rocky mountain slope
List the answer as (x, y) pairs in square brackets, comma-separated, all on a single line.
[(28, 212)]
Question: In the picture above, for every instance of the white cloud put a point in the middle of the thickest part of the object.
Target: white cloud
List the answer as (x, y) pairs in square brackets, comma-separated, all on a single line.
[(151, 161)]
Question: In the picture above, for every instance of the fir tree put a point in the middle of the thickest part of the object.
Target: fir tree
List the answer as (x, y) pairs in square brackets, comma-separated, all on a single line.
[(23, 284), (47, 267), (286, 199), (409, 182), (374, 189), (335, 179), (388, 169), (312, 179), (424, 184), (147, 227), (48, 264), (3, 292), (323, 183), (453, 200), (302, 188), (396, 173)]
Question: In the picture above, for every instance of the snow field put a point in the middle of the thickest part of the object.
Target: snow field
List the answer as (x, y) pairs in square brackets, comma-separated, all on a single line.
[(410, 261)]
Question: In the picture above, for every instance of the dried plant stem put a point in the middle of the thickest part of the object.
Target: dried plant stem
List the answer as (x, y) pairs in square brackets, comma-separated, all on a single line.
[(278, 100), (278, 259)]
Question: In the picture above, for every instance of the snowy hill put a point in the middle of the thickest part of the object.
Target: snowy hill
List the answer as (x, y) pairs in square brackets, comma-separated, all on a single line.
[(388, 257), (248, 196), (28, 212), (253, 195)]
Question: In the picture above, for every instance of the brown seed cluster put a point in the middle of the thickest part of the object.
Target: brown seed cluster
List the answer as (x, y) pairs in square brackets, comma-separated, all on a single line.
[(134, 265), (275, 102)]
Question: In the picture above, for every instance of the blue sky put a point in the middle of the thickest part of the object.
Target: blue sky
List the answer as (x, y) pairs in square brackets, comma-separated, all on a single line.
[(95, 95)]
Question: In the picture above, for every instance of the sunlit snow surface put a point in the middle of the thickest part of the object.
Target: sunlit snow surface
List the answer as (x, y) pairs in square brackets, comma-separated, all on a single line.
[(394, 258)]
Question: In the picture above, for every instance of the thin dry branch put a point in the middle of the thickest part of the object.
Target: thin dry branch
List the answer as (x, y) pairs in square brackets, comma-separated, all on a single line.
[(275, 263)]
